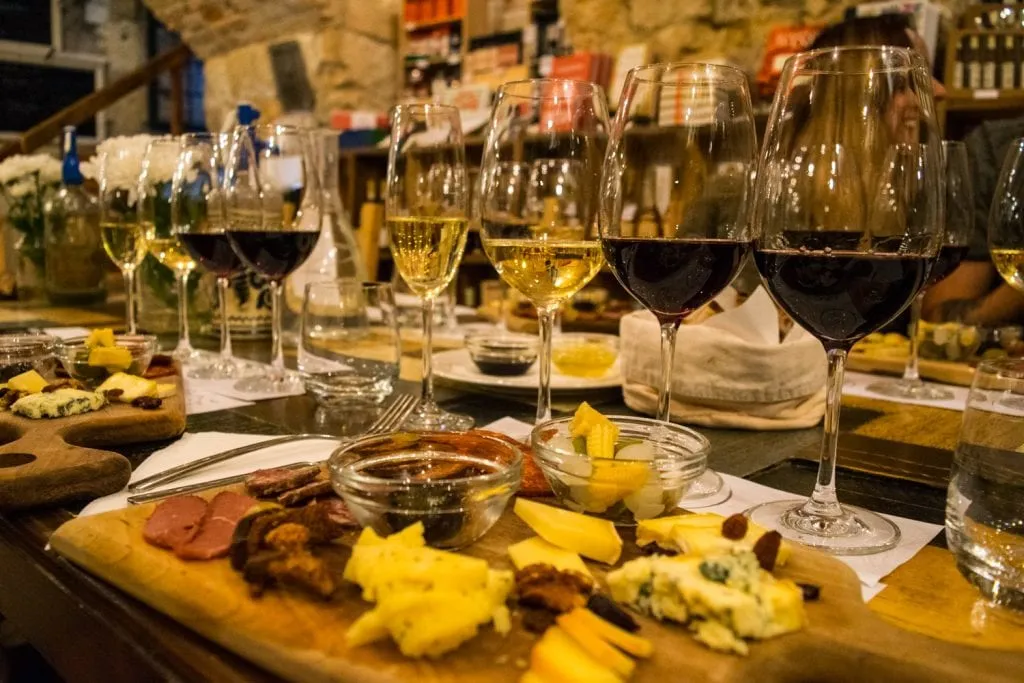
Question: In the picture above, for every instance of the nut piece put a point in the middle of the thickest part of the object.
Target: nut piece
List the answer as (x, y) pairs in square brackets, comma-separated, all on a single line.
[(735, 527), (288, 536), (541, 585), (767, 550)]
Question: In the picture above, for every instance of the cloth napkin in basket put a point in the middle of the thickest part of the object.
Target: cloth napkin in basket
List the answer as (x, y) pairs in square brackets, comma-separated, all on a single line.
[(732, 370)]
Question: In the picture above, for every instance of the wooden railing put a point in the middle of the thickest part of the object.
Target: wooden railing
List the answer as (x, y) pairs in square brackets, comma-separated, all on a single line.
[(84, 109)]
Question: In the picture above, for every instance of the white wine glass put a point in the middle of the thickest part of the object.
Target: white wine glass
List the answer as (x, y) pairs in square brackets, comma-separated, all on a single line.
[(155, 215), (1006, 219), (545, 246), (124, 237), (427, 216)]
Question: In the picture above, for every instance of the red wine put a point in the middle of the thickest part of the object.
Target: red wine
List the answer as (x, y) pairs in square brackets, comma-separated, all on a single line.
[(213, 252), (273, 255), (841, 296), (674, 277), (949, 258)]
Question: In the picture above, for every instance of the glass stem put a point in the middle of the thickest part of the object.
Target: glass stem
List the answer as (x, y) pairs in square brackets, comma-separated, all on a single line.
[(225, 328), (184, 342), (276, 348), (824, 501), (427, 390), (129, 293), (546, 318), (910, 373), (668, 357)]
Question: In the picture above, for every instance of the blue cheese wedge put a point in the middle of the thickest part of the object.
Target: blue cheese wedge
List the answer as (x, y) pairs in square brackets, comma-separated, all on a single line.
[(60, 403), (724, 599)]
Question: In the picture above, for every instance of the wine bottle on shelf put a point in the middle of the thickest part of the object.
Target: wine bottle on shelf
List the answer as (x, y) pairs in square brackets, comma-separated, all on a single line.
[(973, 61), (988, 63), (1008, 64), (1019, 57), (959, 67), (648, 219)]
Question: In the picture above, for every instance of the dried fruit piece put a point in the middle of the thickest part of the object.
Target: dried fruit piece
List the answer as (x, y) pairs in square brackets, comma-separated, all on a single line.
[(767, 550), (147, 402), (811, 592), (607, 609), (735, 527)]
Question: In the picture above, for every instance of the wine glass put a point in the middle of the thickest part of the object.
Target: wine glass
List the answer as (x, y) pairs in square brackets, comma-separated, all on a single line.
[(547, 250), (847, 220), (155, 215), (274, 209), (1006, 219), (427, 216), (123, 235), (959, 224), (697, 150), (199, 215)]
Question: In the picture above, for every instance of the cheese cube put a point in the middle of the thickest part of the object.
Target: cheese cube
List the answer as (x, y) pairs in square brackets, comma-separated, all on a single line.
[(111, 357), (30, 382), (100, 337)]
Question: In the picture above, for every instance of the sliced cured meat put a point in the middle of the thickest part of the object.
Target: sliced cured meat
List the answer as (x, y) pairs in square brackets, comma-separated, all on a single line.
[(304, 493), (175, 521), (217, 528), (263, 483)]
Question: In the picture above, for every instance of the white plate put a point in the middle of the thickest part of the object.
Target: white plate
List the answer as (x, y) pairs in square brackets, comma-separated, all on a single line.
[(457, 366)]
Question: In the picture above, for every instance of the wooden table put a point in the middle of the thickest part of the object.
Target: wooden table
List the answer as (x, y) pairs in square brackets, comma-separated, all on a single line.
[(91, 631)]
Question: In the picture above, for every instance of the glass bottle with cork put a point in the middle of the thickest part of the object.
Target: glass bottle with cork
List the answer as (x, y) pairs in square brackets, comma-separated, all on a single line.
[(74, 251)]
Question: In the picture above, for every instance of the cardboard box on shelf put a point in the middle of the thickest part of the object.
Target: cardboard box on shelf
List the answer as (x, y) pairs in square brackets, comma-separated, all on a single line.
[(783, 42)]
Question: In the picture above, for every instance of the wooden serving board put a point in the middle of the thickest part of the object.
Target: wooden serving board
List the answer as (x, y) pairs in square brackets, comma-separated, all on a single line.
[(43, 462), (949, 372), (303, 640)]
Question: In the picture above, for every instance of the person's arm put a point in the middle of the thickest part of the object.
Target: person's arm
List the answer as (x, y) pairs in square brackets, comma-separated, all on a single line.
[(967, 284)]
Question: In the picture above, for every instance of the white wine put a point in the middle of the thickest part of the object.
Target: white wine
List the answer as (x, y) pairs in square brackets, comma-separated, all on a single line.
[(125, 243), (170, 252), (1010, 264), (427, 250), (547, 272)]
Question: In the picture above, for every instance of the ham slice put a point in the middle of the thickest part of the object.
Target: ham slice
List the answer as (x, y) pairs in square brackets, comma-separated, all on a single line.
[(218, 526), (175, 521)]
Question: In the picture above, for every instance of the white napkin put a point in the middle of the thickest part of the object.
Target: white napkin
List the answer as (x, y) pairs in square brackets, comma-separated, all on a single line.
[(745, 494), (191, 447), (226, 387), (198, 402), (857, 383), (66, 332)]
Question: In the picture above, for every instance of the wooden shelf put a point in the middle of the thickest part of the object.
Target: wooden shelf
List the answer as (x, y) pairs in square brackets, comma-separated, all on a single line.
[(414, 26), (1006, 100)]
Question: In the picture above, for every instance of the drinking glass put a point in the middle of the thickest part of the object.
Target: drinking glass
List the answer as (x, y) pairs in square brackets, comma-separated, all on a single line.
[(349, 349), (545, 246), (427, 215), (847, 218), (985, 503), (155, 215), (1006, 219), (124, 237), (683, 133), (199, 215), (274, 202), (959, 225)]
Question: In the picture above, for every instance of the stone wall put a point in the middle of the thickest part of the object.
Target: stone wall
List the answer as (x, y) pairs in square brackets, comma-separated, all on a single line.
[(348, 48)]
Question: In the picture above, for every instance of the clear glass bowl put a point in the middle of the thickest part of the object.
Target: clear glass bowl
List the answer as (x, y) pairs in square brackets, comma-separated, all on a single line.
[(456, 483), (74, 356), (624, 489), (503, 354), (23, 352), (585, 355)]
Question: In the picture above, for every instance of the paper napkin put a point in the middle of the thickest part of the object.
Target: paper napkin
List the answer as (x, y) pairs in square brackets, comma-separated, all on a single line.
[(857, 383)]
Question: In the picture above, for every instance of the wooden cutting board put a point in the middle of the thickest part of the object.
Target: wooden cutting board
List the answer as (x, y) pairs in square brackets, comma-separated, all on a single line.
[(303, 640), (949, 372), (44, 462)]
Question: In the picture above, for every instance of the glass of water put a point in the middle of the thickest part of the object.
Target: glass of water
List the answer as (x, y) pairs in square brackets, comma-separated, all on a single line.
[(349, 350), (985, 505)]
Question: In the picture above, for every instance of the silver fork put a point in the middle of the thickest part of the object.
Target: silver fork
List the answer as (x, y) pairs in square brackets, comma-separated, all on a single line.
[(389, 419)]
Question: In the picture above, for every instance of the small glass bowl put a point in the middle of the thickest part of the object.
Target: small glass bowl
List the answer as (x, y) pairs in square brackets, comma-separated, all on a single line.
[(585, 355), (456, 483), (23, 352), (619, 489), (74, 356), (500, 354)]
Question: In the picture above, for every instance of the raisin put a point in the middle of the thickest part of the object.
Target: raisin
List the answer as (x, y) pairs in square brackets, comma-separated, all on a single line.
[(606, 608), (767, 550), (811, 591), (50, 388), (735, 527), (113, 394), (538, 620), (147, 402)]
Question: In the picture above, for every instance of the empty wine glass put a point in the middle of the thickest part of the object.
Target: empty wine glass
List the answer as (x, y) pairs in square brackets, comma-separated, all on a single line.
[(274, 205), (199, 215), (847, 220)]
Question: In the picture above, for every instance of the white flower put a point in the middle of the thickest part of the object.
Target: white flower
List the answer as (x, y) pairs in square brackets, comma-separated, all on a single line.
[(19, 166), (118, 162), (22, 188)]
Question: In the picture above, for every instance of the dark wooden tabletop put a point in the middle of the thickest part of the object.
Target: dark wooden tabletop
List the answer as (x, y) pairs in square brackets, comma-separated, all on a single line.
[(90, 631)]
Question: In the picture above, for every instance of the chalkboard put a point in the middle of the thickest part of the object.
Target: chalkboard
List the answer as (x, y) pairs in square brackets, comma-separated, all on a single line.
[(34, 92), (26, 21)]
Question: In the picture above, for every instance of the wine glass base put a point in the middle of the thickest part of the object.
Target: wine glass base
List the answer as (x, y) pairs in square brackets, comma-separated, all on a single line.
[(918, 391), (855, 532), (290, 383), (709, 489), (220, 369), (430, 418)]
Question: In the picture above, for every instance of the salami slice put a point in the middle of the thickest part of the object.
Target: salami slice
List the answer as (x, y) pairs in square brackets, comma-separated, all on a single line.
[(175, 521), (218, 526)]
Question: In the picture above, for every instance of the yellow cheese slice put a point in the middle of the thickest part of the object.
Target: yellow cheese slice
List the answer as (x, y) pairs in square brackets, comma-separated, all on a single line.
[(594, 538), (536, 550), (30, 382)]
